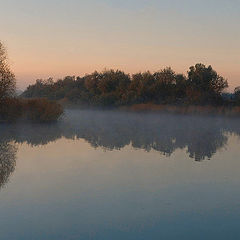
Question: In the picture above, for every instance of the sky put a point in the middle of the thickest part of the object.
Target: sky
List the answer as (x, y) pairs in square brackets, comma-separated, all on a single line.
[(55, 38)]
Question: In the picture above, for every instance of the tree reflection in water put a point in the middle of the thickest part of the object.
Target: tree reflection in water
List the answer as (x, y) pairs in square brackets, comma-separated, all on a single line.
[(202, 137), (7, 161)]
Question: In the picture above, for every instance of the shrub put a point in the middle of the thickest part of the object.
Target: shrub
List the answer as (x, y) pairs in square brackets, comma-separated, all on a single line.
[(35, 110), (10, 109), (42, 110)]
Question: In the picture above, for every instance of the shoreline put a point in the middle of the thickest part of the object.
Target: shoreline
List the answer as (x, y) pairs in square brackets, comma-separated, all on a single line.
[(207, 110)]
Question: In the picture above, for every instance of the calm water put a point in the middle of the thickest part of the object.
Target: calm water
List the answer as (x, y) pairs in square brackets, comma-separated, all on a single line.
[(111, 176)]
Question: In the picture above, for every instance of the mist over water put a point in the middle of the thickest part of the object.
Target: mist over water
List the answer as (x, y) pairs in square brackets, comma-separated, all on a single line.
[(120, 175), (199, 137)]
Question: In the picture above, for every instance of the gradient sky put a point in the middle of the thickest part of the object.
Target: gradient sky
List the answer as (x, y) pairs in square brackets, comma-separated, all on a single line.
[(72, 37)]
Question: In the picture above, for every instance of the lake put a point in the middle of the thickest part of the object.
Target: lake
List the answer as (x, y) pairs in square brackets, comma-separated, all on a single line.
[(106, 175)]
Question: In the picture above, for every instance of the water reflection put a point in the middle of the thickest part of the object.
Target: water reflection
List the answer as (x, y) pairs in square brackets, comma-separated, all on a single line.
[(7, 161), (65, 194), (202, 137)]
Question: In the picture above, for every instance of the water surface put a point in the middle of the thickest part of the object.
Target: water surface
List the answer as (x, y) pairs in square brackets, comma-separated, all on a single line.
[(111, 175)]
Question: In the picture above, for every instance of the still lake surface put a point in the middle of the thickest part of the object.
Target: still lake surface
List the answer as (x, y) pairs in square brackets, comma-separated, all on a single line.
[(106, 175)]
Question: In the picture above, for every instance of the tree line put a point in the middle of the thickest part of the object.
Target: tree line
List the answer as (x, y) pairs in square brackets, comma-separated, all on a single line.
[(201, 86)]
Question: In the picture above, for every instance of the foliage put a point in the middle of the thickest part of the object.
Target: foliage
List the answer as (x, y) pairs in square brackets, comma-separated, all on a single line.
[(237, 95), (7, 78), (205, 84), (34, 110), (42, 110), (202, 86), (13, 109)]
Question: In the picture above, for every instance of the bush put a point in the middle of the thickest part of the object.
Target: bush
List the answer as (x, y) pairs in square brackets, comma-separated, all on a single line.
[(42, 110), (35, 110), (11, 109)]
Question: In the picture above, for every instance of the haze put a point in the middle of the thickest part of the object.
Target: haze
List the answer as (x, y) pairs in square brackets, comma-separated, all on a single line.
[(59, 37)]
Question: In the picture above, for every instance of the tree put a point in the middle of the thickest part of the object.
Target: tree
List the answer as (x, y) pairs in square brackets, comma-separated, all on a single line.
[(237, 95), (180, 91), (204, 85), (206, 79), (114, 88), (7, 78), (91, 82), (164, 86)]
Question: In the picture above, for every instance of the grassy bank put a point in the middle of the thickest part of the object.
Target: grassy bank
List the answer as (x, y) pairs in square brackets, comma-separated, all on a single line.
[(228, 111)]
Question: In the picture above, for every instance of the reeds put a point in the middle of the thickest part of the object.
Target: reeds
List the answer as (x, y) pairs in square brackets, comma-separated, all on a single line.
[(228, 111), (34, 110)]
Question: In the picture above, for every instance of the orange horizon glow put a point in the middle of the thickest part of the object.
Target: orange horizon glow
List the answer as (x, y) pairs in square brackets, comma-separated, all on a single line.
[(45, 39), (25, 78)]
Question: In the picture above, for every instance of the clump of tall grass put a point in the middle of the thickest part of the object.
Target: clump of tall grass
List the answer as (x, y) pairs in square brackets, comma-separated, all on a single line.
[(42, 110), (34, 110), (228, 111)]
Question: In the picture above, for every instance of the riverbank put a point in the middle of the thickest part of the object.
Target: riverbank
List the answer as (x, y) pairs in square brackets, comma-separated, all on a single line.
[(228, 111)]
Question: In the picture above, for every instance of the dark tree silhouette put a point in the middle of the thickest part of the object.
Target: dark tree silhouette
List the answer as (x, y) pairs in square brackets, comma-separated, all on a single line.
[(115, 88), (7, 78), (205, 83), (237, 95)]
